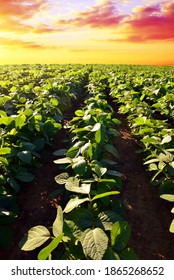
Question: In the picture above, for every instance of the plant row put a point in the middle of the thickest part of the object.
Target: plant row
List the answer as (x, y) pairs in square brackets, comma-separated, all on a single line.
[(146, 96), (31, 113), (89, 222)]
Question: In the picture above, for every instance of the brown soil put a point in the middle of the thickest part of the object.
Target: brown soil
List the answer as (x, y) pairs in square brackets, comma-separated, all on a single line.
[(148, 215)]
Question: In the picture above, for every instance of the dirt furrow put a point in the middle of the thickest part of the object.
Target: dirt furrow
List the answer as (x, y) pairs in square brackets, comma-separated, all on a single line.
[(148, 215)]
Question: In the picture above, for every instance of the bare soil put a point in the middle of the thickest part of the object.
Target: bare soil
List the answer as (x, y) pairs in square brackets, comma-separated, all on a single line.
[(148, 215)]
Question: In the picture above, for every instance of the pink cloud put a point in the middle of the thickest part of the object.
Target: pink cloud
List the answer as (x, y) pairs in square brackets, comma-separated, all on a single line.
[(104, 15), (155, 22)]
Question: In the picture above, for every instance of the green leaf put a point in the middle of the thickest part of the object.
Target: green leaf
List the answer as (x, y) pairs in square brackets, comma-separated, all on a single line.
[(110, 254), (5, 150), (166, 139), (58, 223), (72, 185), (62, 178), (111, 149), (120, 235), (114, 173), (25, 156), (25, 176), (168, 197), (98, 136), (60, 152), (94, 243), (79, 165), (82, 217), (45, 252), (13, 184), (104, 194), (36, 237), (20, 121), (73, 152), (79, 113), (54, 101), (106, 219), (171, 229), (63, 160), (74, 202), (128, 254), (96, 127)]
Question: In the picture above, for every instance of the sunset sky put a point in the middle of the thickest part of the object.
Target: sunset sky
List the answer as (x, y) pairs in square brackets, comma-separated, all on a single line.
[(89, 31)]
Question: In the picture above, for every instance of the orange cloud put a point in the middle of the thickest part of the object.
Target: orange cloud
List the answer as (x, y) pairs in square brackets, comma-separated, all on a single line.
[(19, 43), (14, 13), (103, 15), (20, 8), (150, 23)]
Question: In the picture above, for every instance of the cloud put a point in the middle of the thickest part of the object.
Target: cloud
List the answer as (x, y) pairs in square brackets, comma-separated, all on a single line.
[(14, 14), (103, 15), (20, 8), (151, 23), (19, 43)]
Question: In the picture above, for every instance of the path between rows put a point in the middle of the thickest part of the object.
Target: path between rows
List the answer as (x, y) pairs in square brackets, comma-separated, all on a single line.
[(148, 215)]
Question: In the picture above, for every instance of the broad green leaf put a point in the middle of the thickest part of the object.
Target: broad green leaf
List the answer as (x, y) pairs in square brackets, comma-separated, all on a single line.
[(5, 150), (73, 185), (25, 156), (84, 148), (74, 202), (166, 139), (100, 171), (79, 113), (82, 217), (54, 101), (96, 127), (168, 197), (62, 178), (111, 149), (73, 152), (120, 235), (25, 176), (105, 194), (13, 184), (37, 236), (45, 252), (58, 223), (106, 219), (79, 165), (60, 152), (20, 121), (94, 243)]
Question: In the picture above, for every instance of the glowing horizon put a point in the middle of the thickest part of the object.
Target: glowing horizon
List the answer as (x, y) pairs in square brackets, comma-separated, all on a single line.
[(101, 31)]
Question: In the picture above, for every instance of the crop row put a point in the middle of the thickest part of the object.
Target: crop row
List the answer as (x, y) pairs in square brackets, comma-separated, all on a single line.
[(147, 98), (89, 224), (31, 112)]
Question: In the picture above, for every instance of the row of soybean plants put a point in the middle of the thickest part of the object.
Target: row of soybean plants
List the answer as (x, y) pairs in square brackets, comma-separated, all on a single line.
[(32, 105), (89, 222), (146, 96)]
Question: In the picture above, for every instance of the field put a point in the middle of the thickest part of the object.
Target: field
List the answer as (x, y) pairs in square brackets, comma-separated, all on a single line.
[(86, 162)]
